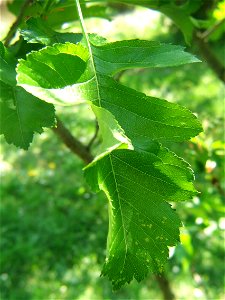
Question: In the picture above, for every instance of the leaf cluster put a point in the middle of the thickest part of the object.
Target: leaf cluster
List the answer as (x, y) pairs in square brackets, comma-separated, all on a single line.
[(137, 173)]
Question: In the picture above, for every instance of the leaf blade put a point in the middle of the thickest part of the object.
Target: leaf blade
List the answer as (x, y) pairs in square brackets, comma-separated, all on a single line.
[(22, 115), (111, 58), (142, 224)]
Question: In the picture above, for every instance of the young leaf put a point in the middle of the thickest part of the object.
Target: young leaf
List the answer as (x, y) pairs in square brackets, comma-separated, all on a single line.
[(142, 224)]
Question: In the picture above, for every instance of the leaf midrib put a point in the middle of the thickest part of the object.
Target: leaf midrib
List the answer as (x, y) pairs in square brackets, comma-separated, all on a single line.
[(18, 115), (120, 208)]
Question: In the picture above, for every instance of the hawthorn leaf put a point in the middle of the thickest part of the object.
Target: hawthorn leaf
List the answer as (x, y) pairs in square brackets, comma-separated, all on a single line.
[(141, 223), (140, 116), (143, 117), (65, 12), (111, 58), (37, 31), (113, 136), (7, 66), (51, 73), (22, 114)]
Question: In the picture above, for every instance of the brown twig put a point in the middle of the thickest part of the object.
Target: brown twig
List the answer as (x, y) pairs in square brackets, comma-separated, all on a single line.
[(165, 288), (205, 35), (71, 142), (94, 136), (210, 57), (15, 25)]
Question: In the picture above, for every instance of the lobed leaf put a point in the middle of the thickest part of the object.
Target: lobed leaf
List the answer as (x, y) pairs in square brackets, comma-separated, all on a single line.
[(139, 115), (141, 223), (136, 173)]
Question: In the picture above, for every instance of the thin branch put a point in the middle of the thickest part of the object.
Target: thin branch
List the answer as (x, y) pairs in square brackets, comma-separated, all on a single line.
[(205, 35), (94, 136), (15, 25), (165, 288), (71, 142), (118, 76), (210, 57)]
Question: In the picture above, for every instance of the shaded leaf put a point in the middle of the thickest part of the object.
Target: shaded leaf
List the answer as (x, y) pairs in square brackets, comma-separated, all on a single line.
[(37, 31), (7, 66), (22, 114)]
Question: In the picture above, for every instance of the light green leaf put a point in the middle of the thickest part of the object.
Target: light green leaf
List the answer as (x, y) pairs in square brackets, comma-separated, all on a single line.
[(22, 114), (113, 136), (52, 72), (141, 223)]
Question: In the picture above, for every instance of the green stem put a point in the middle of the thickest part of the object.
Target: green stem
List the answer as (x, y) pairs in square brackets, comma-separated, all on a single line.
[(79, 11), (83, 26)]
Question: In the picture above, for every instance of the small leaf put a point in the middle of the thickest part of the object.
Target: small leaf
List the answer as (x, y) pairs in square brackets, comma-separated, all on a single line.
[(22, 114), (7, 66), (142, 224), (37, 31), (113, 136)]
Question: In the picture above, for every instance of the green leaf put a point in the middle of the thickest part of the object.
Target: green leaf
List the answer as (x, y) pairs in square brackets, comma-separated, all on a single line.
[(137, 174), (140, 117), (141, 223), (7, 66), (113, 136), (22, 114), (114, 57), (65, 12), (51, 73), (37, 31), (144, 117)]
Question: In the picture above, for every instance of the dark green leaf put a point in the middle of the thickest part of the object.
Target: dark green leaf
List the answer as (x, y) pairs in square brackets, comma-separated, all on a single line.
[(7, 66), (22, 114), (37, 31)]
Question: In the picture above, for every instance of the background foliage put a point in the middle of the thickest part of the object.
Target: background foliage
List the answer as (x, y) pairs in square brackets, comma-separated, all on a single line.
[(53, 229)]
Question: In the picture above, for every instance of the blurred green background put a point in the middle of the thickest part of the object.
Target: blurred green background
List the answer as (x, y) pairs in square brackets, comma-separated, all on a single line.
[(54, 229)]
